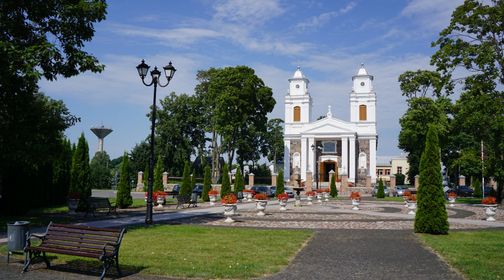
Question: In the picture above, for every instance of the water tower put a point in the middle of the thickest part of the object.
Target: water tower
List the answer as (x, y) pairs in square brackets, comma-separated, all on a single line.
[(101, 132)]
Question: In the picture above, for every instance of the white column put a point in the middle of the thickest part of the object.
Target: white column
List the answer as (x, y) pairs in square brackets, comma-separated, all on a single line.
[(304, 158), (287, 160), (344, 155), (372, 160), (311, 156), (351, 176)]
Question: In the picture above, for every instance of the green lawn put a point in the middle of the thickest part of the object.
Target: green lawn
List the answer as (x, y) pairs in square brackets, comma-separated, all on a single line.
[(388, 198), (477, 254), (468, 200), (203, 252)]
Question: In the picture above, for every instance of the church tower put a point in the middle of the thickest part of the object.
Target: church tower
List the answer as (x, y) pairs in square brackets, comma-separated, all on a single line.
[(298, 101), (362, 98)]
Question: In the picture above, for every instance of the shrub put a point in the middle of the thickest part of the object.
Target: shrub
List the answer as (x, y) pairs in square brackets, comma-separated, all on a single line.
[(207, 184), (477, 188), (381, 190), (334, 190), (280, 189), (186, 189), (239, 185), (226, 186), (158, 175), (431, 216), (123, 196)]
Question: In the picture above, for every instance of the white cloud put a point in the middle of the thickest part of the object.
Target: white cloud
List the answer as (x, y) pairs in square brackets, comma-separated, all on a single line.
[(324, 18), (247, 12), (431, 14)]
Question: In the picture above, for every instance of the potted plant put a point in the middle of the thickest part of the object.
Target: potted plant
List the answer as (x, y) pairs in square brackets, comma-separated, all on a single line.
[(355, 197), (261, 202), (212, 195), (412, 204), (282, 200), (229, 202), (406, 196), (452, 196), (309, 197), (248, 194), (73, 202), (326, 193), (320, 193), (490, 204)]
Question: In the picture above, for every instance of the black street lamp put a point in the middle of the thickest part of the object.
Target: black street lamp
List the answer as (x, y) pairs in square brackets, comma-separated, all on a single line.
[(317, 149), (155, 74)]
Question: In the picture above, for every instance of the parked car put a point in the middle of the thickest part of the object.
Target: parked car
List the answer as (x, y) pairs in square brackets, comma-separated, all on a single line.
[(375, 191), (263, 189), (489, 191), (400, 189), (289, 191), (198, 188), (464, 191)]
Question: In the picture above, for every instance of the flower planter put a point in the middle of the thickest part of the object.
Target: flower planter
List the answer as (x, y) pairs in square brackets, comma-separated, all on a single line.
[(213, 199), (261, 206), (412, 207), (405, 201), (490, 210), (326, 197), (160, 201), (310, 200), (451, 201), (229, 212), (355, 203), (73, 204), (249, 196), (283, 203), (319, 198)]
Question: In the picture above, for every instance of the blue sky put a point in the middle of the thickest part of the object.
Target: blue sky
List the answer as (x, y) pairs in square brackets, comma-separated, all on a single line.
[(328, 39)]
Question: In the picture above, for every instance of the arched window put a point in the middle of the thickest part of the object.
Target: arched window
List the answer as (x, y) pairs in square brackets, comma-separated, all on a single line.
[(362, 112), (297, 114)]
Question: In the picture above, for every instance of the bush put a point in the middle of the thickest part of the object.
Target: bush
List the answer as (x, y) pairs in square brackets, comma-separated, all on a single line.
[(381, 190), (400, 179), (431, 216), (239, 185), (207, 184), (226, 186), (158, 175), (280, 189), (477, 188), (186, 189), (334, 190), (123, 196)]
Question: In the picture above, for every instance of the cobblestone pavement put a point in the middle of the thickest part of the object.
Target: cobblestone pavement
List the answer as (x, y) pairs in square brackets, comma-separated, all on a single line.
[(375, 242)]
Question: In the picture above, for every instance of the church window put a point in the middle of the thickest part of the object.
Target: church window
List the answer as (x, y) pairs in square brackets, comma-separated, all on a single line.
[(329, 147), (297, 114), (399, 170), (362, 112), (362, 160)]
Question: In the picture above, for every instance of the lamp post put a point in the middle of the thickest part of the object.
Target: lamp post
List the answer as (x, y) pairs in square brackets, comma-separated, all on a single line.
[(169, 71), (316, 149)]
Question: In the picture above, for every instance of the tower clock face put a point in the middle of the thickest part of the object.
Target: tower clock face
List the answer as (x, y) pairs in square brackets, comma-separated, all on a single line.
[(297, 86), (362, 84)]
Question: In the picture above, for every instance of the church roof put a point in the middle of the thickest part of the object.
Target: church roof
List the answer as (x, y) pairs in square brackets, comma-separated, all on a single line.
[(298, 74), (362, 71)]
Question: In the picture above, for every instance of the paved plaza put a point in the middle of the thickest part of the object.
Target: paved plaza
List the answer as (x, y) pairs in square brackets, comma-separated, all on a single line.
[(376, 242)]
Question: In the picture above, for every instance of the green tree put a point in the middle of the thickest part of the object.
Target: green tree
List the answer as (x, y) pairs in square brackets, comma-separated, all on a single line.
[(280, 188), (334, 190), (146, 177), (381, 190), (431, 216), (274, 141), (239, 184), (123, 196), (61, 172), (80, 173), (477, 188), (186, 188), (207, 184), (226, 186), (400, 178), (139, 157), (101, 176), (158, 175)]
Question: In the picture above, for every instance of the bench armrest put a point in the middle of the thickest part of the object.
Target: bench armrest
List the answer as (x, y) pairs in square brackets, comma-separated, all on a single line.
[(29, 237), (115, 245)]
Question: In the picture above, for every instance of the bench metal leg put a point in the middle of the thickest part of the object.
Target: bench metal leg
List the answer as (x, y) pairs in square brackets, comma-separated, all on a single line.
[(46, 260), (28, 259), (117, 265), (106, 266)]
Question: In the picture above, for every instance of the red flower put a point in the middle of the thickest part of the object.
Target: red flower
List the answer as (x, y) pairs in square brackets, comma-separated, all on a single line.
[(229, 199), (283, 196), (261, 196), (489, 200), (355, 196), (213, 192)]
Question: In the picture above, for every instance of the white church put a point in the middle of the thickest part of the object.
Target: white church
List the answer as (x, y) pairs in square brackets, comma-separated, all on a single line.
[(312, 148)]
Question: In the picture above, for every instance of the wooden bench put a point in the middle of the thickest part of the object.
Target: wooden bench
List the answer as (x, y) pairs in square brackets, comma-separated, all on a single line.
[(189, 200), (98, 243), (96, 203)]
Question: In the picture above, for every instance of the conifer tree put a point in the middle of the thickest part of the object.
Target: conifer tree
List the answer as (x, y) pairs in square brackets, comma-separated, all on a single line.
[(280, 183), (334, 190), (226, 186), (239, 185), (158, 175), (431, 216), (477, 188), (123, 196), (186, 189), (80, 174), (207, 184), (381, 190)]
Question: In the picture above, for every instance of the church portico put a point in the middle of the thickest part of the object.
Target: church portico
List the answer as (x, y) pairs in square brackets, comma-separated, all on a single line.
[(314, 148)]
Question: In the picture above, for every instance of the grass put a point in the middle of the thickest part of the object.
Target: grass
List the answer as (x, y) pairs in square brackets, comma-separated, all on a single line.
[(38, 217), (204, 252), (477, 254), (468, 200), (137, 202), (399, 198)]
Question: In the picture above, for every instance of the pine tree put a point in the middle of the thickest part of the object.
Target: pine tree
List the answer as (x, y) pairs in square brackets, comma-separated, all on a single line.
[(334, 190), (381, 190), (477, 188), (158, 175), (123, 196), (207, 184), (80, 174), (239, 185), (431, 216), (226, 186), (280, 189), (186, 189), (62, 168)]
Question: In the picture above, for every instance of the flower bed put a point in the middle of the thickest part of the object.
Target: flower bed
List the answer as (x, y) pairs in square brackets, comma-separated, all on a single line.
[(489, 200), (229, 199), (261, 196)]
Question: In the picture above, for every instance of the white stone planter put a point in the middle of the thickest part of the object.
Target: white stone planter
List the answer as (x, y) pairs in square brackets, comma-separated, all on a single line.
[(490, 210), (248, 196), (405, 201), (213, 199), (73, 204), (412, 207), (326, 197), (355, 203), (261, 206), (319, 197), (310, 200), (283, 203), (229, 212), (160, 201), (451, 201)]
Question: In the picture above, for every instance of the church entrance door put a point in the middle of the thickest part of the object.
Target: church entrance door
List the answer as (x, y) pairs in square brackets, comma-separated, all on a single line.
[(325, 168)]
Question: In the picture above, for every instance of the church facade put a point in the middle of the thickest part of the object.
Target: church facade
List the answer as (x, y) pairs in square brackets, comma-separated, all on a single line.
[(314, 148)]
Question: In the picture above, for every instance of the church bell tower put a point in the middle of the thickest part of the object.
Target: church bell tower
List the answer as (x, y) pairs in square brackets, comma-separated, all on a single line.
[(362, 98), (298, 101)]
